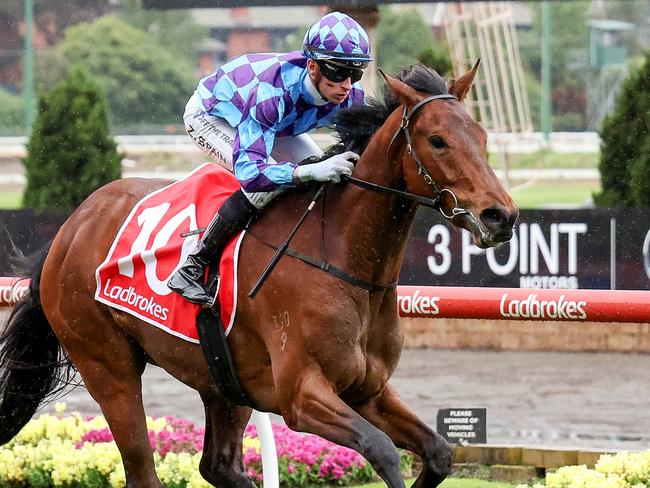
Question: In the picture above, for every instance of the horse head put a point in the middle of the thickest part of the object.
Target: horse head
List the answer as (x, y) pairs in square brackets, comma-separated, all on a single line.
[(443, 155)]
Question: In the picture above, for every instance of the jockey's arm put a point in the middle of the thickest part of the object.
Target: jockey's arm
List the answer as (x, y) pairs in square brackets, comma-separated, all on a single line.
[(253, 166), (255, 169), (257, 172)]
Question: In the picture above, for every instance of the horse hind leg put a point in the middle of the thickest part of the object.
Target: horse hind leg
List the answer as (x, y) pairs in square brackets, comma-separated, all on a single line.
[(111, 366), (222, 462), (390, 414), (313, 406)]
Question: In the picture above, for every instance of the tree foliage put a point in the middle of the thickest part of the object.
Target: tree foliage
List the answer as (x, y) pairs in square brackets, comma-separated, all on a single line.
[(625, 150), (568, 39), (70, 153), (401, 36), (67, 9), (175, 30), (144, 82), (13, 113), (568, 57), (293, 40), (438, 58), (52, 17)]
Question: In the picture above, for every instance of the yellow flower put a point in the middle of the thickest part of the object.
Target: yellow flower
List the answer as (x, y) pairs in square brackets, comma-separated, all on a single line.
[(117, 478), (609, 463), (196, 481), (103, 457), (12, 465), (251, 442), (583, 477), (157, 425)]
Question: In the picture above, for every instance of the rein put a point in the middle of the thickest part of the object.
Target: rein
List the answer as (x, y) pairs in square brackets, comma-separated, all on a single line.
[(323, 265), (367, 185)]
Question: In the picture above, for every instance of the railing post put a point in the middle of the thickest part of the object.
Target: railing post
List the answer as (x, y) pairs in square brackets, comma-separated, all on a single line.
[(269, 453)]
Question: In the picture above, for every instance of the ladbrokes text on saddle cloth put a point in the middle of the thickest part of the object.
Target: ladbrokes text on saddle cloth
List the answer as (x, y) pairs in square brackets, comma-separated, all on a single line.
[(149, 247)]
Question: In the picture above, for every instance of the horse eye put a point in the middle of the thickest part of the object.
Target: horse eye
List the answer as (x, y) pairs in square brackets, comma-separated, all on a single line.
[(437, 142)]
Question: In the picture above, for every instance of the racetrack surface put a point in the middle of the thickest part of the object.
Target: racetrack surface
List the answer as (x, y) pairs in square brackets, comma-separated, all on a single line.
[(587, 400)]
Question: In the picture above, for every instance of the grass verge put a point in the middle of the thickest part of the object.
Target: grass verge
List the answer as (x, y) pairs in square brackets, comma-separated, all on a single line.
[(10, 199), (553, 194), (547, 160)]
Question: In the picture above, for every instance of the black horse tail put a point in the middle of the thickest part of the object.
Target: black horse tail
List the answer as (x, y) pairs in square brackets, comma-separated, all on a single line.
[(33, 364)]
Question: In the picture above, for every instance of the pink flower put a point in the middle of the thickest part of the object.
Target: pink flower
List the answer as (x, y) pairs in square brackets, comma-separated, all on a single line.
[(321, 460), (251, 456), (96, 436), (180, 436)]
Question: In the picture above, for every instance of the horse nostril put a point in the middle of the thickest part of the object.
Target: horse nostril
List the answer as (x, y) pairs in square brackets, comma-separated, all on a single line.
[(496, 218)]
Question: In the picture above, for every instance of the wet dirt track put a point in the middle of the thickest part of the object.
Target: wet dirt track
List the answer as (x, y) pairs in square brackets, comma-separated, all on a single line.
[(589, 400)]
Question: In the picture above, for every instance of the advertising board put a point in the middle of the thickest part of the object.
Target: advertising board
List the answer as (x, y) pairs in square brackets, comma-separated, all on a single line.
[(586, 248)]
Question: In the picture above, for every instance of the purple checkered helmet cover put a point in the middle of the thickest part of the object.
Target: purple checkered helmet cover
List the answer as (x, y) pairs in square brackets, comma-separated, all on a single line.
[(337, 36)]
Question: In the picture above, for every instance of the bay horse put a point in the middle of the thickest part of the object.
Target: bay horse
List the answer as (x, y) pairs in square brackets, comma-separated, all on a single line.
[(311, 347)]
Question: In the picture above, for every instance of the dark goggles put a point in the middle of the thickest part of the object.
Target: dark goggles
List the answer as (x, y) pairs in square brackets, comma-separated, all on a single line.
[(337, 73)]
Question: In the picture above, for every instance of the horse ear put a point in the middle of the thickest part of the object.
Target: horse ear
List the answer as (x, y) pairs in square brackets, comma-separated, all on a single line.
[(404, 93), (460, 87)]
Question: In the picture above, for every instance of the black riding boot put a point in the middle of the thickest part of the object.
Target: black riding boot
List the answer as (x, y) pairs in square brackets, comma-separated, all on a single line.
[(189, 280)]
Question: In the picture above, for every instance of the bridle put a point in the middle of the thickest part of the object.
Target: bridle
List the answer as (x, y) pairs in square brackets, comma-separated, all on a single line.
[(438, 191)]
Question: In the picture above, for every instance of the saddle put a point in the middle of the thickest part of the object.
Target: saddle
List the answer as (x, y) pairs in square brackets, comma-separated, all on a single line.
[(147, 249)]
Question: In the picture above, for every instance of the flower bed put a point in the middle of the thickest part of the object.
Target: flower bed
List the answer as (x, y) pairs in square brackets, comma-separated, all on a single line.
[(69, 450), (622, 470)]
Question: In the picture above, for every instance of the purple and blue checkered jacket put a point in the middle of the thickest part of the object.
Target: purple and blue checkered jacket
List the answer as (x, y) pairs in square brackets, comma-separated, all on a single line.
[(264, 96)]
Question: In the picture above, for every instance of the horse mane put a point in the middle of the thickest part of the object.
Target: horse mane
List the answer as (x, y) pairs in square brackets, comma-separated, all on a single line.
[(355, 126)]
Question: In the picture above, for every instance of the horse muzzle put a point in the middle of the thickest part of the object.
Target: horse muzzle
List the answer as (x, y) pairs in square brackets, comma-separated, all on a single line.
[(493, 227)]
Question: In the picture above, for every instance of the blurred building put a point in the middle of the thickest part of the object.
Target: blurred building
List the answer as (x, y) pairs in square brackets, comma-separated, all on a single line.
[(236, 31)]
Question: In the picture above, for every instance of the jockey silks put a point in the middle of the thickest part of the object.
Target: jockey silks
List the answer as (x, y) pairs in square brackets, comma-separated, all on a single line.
[(265, 96)]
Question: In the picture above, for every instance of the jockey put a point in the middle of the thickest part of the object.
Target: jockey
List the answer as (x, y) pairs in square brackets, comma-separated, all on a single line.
[(252, 114)]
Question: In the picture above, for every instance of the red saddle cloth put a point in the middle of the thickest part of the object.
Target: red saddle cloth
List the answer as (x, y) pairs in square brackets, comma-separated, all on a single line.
[(149, 247)]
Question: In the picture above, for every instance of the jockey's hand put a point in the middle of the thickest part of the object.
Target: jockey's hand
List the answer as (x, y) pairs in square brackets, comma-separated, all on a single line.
[(329, 170)]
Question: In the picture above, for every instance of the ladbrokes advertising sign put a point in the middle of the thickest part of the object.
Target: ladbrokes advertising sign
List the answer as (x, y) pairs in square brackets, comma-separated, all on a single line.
[(550, 249)]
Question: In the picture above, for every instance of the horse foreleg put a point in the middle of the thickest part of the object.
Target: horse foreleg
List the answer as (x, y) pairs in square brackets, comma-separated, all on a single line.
[(312, 405), (221, 463), (389, 413)]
